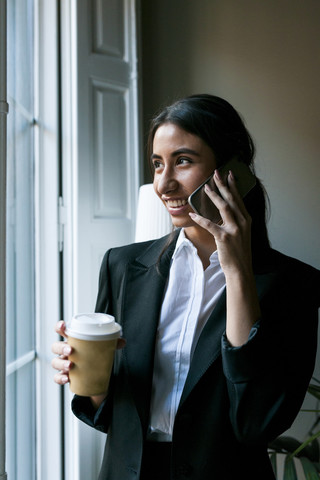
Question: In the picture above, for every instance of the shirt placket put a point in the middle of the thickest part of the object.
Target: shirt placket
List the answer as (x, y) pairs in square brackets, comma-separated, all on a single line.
[(182, 358)]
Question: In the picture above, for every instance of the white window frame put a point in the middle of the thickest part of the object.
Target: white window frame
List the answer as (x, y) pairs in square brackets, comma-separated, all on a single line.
[(3, 176), (49, 419)]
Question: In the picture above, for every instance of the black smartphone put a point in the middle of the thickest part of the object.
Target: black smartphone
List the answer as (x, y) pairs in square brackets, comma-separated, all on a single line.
[(245, 181)]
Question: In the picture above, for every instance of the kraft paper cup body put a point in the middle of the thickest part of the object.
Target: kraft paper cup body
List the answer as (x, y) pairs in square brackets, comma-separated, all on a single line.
[(93, 338)]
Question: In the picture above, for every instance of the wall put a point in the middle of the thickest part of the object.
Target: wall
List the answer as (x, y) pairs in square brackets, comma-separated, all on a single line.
[(264, 57)]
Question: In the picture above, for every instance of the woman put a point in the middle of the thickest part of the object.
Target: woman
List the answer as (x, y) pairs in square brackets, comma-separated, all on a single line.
[(220, 329)]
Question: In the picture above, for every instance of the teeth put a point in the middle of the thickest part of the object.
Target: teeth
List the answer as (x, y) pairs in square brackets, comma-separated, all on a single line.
[(176, 203)]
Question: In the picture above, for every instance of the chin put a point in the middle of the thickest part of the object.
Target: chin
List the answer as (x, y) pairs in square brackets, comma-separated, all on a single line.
[(182, 222)]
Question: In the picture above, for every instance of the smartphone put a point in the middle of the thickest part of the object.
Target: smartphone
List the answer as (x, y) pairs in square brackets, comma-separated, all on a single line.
[(245, 181)]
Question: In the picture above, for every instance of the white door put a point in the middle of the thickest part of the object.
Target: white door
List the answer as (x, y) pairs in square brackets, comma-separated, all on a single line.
[(100, 167)]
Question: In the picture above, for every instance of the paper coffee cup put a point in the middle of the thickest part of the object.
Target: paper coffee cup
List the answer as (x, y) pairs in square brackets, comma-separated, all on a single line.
[(93, 338)]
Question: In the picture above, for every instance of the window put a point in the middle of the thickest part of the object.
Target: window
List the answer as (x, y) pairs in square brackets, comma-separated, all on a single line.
[(45, 162), (21, 425)]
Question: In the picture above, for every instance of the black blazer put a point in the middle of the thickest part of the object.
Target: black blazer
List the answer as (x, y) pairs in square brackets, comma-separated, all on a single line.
[(235, 400)]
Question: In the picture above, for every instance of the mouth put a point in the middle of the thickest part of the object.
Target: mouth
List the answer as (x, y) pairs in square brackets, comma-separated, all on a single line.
[(176, 206), (176, 203)]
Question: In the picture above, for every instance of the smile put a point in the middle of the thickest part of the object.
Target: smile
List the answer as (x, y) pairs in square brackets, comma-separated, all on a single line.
[(176, 203)]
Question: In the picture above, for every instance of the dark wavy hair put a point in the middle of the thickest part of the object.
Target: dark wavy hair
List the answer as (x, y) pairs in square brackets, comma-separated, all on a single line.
[(220, 126)]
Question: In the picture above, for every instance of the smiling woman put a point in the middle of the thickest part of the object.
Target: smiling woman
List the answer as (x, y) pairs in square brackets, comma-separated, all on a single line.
[(218, 135), (215, 352)]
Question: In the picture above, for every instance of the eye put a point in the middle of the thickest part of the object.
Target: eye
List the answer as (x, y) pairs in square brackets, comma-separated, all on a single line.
[(183, 160), (156, 164)]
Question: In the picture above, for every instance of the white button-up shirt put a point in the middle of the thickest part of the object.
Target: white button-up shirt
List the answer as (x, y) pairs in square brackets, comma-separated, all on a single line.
[(191, 295)]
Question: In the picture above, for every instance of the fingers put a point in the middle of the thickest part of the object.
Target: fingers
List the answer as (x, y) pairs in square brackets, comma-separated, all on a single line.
[(61, 379), (60, 328), (205, 223), (61, 348), (229, 202), (234, 191), (230, 205), (61, 362)]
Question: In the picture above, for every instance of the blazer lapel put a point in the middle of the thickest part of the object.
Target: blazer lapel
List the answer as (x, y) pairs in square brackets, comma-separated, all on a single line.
[(208, 347), (144, 286)]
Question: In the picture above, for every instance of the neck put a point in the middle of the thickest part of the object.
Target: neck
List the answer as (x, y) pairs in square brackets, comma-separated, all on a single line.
[(203, 241)]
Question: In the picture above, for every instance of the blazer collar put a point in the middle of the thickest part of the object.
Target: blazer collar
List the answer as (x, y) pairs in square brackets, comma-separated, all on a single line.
[(159, 252)]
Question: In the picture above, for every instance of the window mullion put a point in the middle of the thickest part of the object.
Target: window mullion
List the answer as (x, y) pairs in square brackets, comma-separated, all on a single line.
[(20, 362)]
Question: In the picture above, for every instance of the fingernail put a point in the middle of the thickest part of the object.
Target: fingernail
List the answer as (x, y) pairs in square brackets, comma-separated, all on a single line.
[(67, 365), (67, 350), (231, 174), (64, 379), (60, 326), (217, 173), (193, 215)]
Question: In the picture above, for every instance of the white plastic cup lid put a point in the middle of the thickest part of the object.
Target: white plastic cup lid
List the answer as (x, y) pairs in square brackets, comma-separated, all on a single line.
[(93, 326)]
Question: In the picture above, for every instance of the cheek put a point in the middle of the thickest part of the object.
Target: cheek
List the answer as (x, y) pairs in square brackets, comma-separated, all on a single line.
[(155, 187)]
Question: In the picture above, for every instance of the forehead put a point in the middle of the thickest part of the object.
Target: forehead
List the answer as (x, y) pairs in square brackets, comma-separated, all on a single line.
[(169, 136)]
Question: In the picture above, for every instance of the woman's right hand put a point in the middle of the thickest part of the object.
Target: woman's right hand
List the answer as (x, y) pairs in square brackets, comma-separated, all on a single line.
[(62, 350)]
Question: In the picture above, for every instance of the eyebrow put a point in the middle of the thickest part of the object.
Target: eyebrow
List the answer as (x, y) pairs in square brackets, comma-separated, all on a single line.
[(178, 152)]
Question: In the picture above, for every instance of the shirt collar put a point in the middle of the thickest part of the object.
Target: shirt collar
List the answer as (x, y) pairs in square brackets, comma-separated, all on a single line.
[(184, 242)]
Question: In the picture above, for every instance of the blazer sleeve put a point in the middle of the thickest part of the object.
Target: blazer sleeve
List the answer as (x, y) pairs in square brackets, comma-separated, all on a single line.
[(268, 377), (82, 406)]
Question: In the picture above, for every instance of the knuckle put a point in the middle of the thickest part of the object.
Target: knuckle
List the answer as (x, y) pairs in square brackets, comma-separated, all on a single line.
[(235, 231), (207, 222), (225, 207)]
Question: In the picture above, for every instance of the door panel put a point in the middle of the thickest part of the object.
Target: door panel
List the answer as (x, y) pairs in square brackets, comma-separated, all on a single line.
[(100, 167)]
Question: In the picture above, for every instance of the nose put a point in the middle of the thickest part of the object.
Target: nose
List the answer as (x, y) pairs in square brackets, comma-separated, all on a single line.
[(166, 181)]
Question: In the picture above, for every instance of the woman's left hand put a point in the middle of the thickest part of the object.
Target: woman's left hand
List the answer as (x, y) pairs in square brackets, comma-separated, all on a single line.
[(233, 234)]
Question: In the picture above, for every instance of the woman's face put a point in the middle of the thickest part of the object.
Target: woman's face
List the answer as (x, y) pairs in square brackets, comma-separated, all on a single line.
[(182, 161)]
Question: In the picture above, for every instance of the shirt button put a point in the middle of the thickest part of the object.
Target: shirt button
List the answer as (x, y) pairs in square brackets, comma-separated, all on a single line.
[(184, 470)]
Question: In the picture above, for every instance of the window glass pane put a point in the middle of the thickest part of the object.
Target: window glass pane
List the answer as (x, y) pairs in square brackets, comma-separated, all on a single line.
[(21, 424), (20, 227), (20, 401), (20, 271)]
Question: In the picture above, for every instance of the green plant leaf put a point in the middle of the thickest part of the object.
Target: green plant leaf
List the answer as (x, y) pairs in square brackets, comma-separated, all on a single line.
[(290, 472), (284, 444), (304, 444), (309, 469), (314, 390), (312, 451), (273, 460)]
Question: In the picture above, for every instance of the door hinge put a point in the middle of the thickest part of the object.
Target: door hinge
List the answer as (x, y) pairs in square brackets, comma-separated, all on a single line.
[(62, 220)]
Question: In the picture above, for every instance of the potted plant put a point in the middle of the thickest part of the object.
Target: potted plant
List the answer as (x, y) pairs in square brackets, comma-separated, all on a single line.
[(307, 453)]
